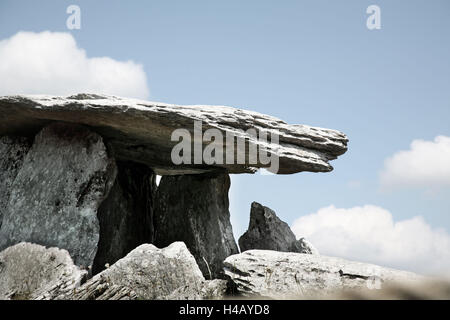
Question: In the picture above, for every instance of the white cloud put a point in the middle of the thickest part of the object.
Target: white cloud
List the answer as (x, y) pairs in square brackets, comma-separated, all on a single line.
[(369, 234), (426, 163), (51, 63)]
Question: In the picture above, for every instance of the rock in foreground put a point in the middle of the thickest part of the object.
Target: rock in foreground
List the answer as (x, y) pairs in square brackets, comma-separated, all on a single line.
[(267, 232), (140, 131), (295, 275), (30, 271), (151, 273)]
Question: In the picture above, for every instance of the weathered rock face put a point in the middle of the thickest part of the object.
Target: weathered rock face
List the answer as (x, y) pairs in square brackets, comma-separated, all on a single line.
[(294, 275), (304, 246), (151, 273), (140, 131), (126, 215), (31, 271), (267, 232), (194, 209), (209, 290), (68, 192), (55, 196), (12, 152)]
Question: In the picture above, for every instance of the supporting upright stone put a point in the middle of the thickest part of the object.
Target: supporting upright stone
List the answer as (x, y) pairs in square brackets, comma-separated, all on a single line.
[(12, 153), (126, 215), (58, 189), (68, 192), (194, 209)]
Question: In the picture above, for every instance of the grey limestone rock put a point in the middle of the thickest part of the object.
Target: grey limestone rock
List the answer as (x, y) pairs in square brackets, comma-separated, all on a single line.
[(55, 196), (12, 153), (267, 232), (286, 275), (69, 192), (304, 246), (140, 131), (31, 271), (151, 273), (194, 209)]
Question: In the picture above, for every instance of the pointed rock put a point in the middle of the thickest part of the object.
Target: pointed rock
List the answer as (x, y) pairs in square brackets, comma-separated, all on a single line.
[(267, 232)]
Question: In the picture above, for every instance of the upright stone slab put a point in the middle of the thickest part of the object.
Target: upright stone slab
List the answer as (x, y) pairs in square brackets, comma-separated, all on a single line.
[(126, 215), (12, 153), (55, 196), (194, 209)]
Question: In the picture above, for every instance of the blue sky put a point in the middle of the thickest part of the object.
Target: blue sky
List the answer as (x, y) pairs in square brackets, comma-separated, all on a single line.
[(309, 62)]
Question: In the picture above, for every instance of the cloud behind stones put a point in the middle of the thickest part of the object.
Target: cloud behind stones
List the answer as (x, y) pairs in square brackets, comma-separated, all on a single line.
[(370, 234)]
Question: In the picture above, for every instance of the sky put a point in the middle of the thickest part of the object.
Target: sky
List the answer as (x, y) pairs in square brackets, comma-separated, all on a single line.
[(309, 62)]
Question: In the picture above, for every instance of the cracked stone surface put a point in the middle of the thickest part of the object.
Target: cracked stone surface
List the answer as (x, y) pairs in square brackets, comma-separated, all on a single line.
[(58, 189), (151, 273), (140, 131), (12, 153), (30, 271), (285, 275)]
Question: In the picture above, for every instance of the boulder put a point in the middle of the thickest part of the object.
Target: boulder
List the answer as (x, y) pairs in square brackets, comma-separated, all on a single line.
[(31, 271), (267, 232), (285, 275), (12, 152), (140, 131), (151, 273), (55, 196), (194, 209)]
